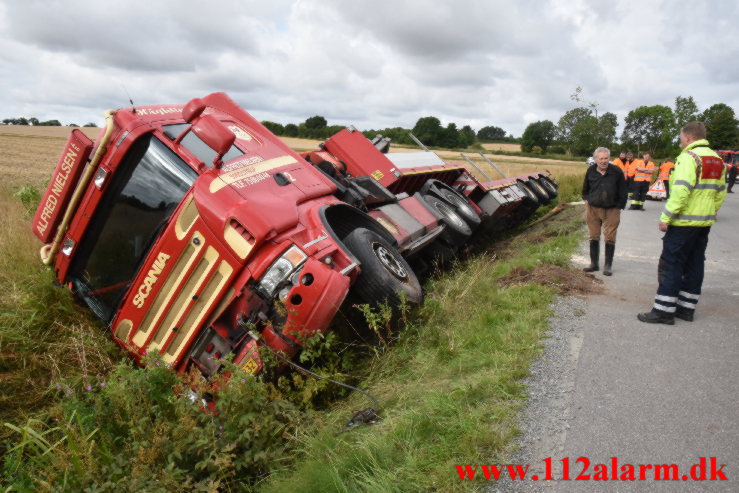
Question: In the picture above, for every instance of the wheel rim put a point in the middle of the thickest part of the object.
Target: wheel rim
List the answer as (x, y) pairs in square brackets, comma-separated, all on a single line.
[(526, 190), (449, 214), (455, 200), (389, 261)]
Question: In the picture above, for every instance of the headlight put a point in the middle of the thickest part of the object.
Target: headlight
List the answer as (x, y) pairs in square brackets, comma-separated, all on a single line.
[(281, 270)]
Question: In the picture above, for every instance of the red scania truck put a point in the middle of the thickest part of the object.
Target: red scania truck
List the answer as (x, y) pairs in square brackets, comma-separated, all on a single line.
[(186, 227)]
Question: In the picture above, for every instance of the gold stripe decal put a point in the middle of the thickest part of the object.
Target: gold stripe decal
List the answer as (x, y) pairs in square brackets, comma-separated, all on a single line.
[(248, 171)]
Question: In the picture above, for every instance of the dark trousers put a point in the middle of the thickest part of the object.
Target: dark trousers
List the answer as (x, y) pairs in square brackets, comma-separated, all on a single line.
[(680, 269), (640, 192), (667, 188), (731, 178)]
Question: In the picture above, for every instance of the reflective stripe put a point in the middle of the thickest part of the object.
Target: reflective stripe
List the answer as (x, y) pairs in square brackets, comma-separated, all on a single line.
[(688, 217), (668, 213), (668, 309), (669, 299), (709, 186), (684, 183), (685, 304), (692, 296)]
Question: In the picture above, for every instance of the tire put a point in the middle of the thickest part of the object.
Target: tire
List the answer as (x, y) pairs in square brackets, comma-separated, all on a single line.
[(456, 229), (530, 198), (539, 191), (548, 185), (385, 273), (461, 206)]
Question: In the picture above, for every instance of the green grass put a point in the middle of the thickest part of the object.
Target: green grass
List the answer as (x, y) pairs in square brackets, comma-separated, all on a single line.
[(43, 335)]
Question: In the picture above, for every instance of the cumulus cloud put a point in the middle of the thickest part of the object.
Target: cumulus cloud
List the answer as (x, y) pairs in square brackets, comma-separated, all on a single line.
[(373, 64)]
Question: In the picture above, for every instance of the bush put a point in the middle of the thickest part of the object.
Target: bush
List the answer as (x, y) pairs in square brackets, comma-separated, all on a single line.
[(130, 431)]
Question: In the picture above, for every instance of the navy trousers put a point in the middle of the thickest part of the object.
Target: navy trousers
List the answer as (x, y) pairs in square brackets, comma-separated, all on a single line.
[(680, 269)]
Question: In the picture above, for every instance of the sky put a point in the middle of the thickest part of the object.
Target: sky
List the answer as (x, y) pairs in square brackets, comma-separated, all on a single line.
[(372, 64)]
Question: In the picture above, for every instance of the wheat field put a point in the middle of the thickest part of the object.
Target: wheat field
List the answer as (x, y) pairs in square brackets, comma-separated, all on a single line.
[(28, 155)]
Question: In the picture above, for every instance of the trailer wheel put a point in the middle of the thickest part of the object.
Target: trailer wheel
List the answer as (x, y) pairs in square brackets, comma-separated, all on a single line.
[(461, 207), (539, 191), (385, 273), (530, 198), (456, 231), (549, 186)]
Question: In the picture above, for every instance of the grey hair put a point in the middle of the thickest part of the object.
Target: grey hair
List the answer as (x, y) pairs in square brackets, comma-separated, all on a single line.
[(601, 149)]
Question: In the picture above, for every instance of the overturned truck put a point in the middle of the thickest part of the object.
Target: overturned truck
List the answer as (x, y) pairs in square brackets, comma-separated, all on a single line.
[(189, 229)]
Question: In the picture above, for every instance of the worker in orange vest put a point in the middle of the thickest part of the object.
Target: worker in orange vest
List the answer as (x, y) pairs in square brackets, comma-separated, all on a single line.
[(665, 170), (629, 173), (643, 170), (620, 161)]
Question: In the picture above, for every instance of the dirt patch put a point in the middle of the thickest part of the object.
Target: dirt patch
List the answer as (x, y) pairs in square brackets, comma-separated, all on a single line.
[(568, 282)]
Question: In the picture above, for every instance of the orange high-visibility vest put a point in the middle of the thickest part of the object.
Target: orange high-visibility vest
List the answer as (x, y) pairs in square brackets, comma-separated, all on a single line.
[(664, 170), (620, 164), (641, 175), (630, 169)]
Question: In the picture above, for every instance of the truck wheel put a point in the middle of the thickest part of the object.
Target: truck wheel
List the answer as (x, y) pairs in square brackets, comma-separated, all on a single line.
[(456, 231), (539, 191), (385, 273), (530, 198), (549, 186), (461, 207)]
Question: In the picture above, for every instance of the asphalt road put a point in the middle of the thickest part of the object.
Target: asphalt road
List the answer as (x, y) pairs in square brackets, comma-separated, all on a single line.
[(642, 393)]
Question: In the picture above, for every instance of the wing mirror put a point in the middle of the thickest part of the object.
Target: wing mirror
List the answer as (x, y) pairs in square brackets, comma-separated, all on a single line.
[(215, 135)]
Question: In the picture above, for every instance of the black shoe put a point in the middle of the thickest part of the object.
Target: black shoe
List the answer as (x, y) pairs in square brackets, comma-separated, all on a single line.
[(594, 254), (610, 249), (686, 315), (656, 318)]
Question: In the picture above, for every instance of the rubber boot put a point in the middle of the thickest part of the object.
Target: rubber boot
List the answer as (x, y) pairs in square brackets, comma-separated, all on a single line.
[(610, 249), (594, 252)]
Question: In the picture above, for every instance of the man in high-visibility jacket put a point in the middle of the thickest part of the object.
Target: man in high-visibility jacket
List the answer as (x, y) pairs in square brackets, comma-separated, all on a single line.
[(665, 170), (698, 186), (642, 178), (620, 161), (629, 173)]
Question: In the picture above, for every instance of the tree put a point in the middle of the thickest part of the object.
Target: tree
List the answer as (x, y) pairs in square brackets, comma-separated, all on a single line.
[(606, 130), (491, 133), (90, 124), (291, 130), (721, 126), (685, 111), (540, 134), (316, 122), (649, 128), (429, 130), (573, 127), (466, 136), (33, 121), (273, 127)]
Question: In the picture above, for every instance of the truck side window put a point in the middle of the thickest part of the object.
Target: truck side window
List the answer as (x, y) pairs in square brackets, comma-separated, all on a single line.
[(148, 186)]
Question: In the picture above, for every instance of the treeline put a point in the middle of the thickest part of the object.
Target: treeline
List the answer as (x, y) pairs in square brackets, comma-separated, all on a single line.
[(647, 128), (36, 123), (428, 130)]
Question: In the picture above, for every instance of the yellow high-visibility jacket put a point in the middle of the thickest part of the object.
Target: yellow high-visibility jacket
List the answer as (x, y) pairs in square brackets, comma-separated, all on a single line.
[(697, 187)]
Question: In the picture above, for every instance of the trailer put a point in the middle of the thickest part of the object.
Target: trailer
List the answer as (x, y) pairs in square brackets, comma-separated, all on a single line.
[(192, 232)]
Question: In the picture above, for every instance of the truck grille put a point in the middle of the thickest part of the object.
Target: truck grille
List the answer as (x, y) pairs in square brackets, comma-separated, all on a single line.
[(179, 308)]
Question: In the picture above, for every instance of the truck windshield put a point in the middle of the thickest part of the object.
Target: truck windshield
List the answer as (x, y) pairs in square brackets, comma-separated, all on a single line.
[(148, 186)]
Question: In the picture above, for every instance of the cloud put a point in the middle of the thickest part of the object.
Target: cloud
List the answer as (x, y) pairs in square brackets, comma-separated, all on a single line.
[(373, 64)]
